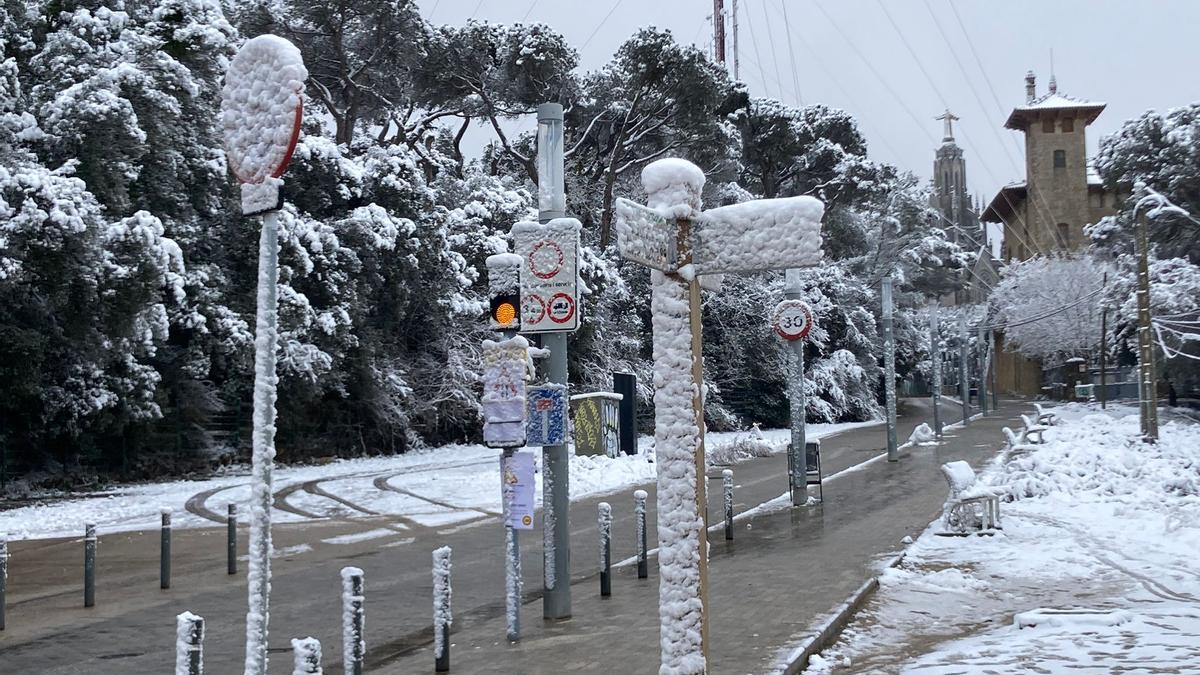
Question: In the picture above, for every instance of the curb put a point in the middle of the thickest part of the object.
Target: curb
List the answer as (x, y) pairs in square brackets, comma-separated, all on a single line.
[(829, 631)]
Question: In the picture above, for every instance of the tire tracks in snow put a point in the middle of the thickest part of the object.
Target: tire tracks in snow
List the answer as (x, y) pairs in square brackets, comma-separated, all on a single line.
[(1105, 555)]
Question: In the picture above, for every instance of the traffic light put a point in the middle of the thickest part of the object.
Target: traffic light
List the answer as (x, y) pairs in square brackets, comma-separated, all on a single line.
[(505, 313)]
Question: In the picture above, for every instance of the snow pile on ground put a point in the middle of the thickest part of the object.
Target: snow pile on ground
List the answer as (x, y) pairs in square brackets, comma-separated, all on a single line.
[(741, 449), (1093, 572), (922, 434), (1104, 457)]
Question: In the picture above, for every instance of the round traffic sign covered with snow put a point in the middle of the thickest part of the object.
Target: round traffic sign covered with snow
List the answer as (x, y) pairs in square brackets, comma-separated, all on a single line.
[(792, 319), (261, 107)]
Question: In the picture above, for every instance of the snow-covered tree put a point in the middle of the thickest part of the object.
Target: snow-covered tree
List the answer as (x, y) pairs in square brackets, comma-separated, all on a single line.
[(1051, 307)]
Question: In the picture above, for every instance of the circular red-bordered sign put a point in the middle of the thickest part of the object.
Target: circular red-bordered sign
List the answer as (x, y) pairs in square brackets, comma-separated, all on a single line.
[(262, 107), (561, 308), (546, 259), (533, 310), (792, 320)]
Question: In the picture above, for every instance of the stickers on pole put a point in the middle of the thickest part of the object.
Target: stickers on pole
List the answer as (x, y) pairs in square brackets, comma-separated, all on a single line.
[(546, 415), (517, 489), (792, 320), (261, 110), (549, 275), (505, 365)]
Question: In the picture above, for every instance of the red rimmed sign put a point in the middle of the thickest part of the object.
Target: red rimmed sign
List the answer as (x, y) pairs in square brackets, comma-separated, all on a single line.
[(792, 320)]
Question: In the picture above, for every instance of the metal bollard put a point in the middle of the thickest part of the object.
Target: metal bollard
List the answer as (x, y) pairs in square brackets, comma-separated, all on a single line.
[(441, 610), (604, 521), (231, 540), (3, 577), (306, 656), (189, 644), (727, 474), (354, 646), (639, 519), (164, 557), (89, 565)]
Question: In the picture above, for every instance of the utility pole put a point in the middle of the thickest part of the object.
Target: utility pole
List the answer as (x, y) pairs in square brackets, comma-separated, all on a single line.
[(797, 457), (719, 30), (935, 363), (1104, 352), (1147, 377), (964, 385), (733, 45), (889, 369), (556, 499), (981, 346)]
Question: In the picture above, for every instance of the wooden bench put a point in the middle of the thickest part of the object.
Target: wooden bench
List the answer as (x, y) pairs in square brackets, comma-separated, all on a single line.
[(970, 505), (1044, 416), (1016, 444)]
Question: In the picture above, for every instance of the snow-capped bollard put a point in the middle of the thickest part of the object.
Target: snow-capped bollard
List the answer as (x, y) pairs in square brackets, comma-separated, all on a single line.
[(3, 577), (164, 553), (189, 644), (727, 475), (89, 565), (306, 656), (639, 526), (442, 617), (231, 539), (604, 523), (354, 645)]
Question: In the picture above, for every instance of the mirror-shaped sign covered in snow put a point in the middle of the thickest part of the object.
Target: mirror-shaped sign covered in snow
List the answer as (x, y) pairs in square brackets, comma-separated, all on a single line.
[(792, 320), (261, 110), (503, 402), (546, 415), (549, 275), (518, 489)]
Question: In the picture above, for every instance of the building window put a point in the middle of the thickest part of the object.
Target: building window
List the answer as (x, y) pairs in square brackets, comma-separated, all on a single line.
[(1060, 159), (1097, 200), (1064, 235), (1048, 126), (1068, 124)]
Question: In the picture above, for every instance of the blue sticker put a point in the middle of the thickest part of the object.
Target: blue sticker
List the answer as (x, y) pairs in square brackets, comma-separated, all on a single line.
[(546, 415)]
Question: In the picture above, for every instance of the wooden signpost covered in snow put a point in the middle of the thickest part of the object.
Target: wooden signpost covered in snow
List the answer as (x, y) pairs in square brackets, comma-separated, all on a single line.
[(679, 242)]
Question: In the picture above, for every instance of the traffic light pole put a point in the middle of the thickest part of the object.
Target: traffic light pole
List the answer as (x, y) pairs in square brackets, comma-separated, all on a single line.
[(556, 500)]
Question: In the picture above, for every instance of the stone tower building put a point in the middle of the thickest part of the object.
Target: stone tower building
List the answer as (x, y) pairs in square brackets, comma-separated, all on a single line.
[(1046, 213), (959, 217)]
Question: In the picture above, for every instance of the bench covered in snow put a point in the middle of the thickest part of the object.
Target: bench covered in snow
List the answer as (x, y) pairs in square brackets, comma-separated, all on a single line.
[(1044, 416), (970, 505), (1033, 431)]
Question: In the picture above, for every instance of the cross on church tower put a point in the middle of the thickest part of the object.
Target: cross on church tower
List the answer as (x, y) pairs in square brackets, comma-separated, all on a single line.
[(949, 118)]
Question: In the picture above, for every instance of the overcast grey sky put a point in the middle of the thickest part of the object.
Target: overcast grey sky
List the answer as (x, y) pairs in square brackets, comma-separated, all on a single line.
[(1133, 55)]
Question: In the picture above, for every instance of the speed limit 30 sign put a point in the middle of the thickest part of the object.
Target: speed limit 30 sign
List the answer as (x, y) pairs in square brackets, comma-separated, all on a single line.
[(792, 319)]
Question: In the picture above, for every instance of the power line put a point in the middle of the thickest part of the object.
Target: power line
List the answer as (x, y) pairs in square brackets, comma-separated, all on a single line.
[(771, 39), (966, 139), (476, 10), (762, 75), (602, 22), (787, 26), (1043, 315), (530, 10), (979, 62)]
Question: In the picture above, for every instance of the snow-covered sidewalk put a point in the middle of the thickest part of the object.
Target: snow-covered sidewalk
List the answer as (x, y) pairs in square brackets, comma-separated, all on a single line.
[(442, 486), (1095, 570)]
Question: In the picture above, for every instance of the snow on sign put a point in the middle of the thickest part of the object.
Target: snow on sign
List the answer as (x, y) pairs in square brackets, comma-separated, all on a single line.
[(505, 365), (261, 110), (763, 234), (546, 415), (549, 275), (792, 319), (645, 236)]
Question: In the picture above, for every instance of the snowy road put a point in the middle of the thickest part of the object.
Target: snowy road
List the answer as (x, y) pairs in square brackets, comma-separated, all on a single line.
[(445, 486)]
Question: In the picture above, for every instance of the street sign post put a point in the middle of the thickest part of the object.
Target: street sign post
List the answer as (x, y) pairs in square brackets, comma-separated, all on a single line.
[(792, 321), (679, 243), (261, 109)]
